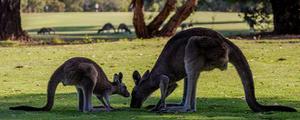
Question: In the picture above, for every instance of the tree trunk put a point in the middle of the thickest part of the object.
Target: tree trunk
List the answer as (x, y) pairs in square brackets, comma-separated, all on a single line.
[(141, 30), (181, 14), (153, 29), (162, 16), (286, 16), (10, 21)]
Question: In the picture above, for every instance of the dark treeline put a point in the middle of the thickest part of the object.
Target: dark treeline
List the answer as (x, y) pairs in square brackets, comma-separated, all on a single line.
[(29, 6), (119, 5)]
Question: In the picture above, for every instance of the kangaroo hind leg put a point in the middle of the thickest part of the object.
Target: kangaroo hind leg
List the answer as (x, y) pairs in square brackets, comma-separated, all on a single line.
[(193, 64), (80, 99)]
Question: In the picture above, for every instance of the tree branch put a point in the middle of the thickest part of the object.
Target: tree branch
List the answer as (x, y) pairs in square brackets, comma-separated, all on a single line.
[(154, 26), (181, 14), (139, 20)]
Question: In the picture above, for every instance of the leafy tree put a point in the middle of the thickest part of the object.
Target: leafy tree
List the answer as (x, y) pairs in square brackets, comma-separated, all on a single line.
[(286, 14), (110, 5), (156, 27), (73, 5), (24, 3), (154, 5), (258, 15), (32, 5), (55, 6), (218, 5)]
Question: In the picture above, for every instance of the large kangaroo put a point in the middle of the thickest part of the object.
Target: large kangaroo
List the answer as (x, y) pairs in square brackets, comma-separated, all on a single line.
[(88, 78), (185, 55)]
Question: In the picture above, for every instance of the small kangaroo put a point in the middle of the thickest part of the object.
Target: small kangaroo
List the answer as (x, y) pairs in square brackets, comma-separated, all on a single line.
[(186, 25), (185, 56), (45, 30), (124, 27), (88, 78), (107, 27)]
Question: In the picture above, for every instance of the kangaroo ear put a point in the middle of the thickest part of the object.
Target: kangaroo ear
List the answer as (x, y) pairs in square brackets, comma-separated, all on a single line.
[(136, 77), (120, 77), (116, 78), (146, 74)]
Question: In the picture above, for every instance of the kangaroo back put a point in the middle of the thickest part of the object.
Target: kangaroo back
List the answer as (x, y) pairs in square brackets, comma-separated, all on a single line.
[(108, 26)]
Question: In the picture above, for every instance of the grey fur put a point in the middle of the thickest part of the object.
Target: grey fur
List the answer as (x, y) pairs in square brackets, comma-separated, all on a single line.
[(124, 27), (88, 78), (46, 30), (107, 27), (185, 56)]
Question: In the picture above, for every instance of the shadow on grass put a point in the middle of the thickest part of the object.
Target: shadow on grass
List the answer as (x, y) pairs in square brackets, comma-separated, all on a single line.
[(108, 37), (90, 32), (74, 28), (65, 107), (96, 27), (112, 36), (67, 28), (218, 22), (80, 33), (234, 32)]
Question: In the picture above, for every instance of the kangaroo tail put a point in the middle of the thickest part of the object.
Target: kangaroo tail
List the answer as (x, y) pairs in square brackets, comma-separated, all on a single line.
[(52, 85), (238, 59)]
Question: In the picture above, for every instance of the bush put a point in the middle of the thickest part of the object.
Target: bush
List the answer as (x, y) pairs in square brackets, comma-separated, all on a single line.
[(258, 15), (73, 5), (55, 6)]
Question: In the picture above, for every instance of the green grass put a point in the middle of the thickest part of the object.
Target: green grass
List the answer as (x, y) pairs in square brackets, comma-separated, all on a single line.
[(219, 95), (70, 26), (25, 70), (8, 43)]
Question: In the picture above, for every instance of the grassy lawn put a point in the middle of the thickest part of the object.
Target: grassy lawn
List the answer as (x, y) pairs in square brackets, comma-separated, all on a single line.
[(70, 26), (25, 70), (219, 95)]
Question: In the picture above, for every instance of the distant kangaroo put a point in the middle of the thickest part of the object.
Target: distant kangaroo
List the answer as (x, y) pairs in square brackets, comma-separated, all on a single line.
[(186, 25), (88, 78), (124, 27), (45, 30), (185, 56), (107, 27)]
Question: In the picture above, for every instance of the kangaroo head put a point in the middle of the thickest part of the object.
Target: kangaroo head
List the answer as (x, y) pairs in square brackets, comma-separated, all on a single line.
[(121, 87), (142, 89)]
